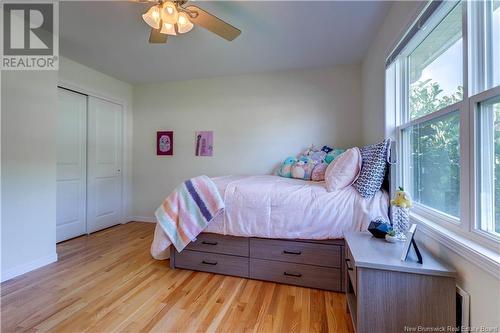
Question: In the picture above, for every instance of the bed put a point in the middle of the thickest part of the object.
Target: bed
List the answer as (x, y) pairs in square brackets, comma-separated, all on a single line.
[(275, 207), (280, 229)]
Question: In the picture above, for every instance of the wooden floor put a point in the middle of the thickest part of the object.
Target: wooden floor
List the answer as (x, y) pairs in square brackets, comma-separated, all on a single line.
[(107, 282)]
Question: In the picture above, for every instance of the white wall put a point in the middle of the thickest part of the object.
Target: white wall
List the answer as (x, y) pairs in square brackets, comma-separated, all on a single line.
[(483, 287), (29, 104), (395, 24), (87, 80), (257, 120), (28, 164)]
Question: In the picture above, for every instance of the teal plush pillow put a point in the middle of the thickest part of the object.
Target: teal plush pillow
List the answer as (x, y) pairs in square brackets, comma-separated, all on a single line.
[(285, 170), (334, 154)]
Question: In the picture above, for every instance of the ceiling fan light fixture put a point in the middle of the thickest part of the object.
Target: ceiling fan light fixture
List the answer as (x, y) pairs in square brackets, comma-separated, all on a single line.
[(168, 29), (152, 17), (183, 23), (169, 13)]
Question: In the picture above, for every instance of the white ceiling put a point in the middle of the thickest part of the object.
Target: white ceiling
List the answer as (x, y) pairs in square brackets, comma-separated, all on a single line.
[(111, 37)]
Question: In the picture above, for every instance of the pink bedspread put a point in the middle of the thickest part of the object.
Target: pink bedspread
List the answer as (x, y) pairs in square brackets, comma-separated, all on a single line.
[(276, 207)]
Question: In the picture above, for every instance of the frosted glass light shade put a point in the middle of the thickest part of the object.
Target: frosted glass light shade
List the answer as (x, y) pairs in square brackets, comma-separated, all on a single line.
[(152, 17), (184, 24), (169, 13), (168, 28)]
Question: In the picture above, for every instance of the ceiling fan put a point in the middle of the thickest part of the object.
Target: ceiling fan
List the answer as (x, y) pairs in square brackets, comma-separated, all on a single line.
[(173, 17)]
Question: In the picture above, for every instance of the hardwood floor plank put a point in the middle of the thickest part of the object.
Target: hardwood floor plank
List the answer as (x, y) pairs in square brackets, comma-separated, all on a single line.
[(108, 282)]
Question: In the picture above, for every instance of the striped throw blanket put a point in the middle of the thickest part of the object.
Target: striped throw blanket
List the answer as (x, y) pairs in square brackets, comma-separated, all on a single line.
[(188, 210)]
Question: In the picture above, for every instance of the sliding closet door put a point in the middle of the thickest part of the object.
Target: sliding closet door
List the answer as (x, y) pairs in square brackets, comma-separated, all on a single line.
[(104, 208), (71, 165)]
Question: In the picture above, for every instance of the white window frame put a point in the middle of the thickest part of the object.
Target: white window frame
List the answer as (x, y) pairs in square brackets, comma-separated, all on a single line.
[(475, 69), (405, 122), (474, 103)]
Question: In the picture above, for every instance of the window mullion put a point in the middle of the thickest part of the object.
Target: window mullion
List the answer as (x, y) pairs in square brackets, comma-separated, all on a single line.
[(487, 162), (479, 44), (487, 72), (466, 192)]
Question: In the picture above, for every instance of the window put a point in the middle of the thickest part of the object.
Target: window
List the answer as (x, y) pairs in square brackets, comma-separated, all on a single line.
[(435, 163), (443, 101), (436, 67), (488, 169)]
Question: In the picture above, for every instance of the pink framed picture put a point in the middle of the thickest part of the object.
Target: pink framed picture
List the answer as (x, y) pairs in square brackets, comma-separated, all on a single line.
[(204, 142), (164, 143)]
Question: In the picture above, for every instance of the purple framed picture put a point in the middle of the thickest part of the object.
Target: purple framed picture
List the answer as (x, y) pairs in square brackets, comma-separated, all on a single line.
[(164, 143), (204, 142)]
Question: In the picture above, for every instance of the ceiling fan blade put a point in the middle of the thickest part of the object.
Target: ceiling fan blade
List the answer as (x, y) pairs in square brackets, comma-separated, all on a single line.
[(155, 37), (213, 23)]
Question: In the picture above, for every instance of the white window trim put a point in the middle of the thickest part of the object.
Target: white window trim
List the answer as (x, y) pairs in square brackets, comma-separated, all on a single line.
[(460, 235), (473, 179), (405, 122), (483, 257)]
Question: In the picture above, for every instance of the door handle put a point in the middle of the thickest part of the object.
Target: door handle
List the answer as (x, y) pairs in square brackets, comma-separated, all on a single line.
[(292, 252), (347, 261)]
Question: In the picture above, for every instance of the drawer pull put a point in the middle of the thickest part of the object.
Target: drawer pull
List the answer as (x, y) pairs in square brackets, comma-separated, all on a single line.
[(347, 261), (206, 262), (292, 252), (292, 274), (209, 243)]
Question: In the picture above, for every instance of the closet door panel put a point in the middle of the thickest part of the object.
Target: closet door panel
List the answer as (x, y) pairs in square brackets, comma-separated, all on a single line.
[(104, 164), (71, 179)]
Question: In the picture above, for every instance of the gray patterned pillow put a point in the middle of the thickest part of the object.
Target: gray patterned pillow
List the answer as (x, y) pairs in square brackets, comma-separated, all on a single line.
[(374, 163)]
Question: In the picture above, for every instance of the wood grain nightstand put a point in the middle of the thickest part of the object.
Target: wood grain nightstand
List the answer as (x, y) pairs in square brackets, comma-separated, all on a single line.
[(385, 294)]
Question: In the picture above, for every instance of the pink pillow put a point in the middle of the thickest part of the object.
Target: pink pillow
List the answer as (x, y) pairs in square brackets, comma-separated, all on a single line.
[(344, 170)]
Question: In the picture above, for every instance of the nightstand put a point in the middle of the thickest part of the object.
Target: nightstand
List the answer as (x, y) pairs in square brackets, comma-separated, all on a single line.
[(385, 294)]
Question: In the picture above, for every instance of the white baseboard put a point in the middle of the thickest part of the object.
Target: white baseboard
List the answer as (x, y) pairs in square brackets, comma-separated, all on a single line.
[(25, 268), (150, 219)]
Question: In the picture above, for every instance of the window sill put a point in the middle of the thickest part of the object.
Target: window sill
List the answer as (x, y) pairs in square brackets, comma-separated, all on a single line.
[(483, 257)]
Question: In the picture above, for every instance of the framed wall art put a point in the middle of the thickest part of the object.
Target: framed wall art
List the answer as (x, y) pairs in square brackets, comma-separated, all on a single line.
[(204, 143), (164, 143)]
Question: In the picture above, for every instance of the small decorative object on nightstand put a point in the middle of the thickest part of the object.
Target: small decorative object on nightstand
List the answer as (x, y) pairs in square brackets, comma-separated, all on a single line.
[(379, 227), (401, 205), (385, 294)]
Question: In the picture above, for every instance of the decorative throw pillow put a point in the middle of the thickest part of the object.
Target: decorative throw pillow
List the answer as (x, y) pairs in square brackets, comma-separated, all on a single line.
[(373, 168), (285, 169), (318, 173), (344, 170), (303, 169)]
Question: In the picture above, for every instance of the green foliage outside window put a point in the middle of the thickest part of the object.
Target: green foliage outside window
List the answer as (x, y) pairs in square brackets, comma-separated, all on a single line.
[(436, 148)]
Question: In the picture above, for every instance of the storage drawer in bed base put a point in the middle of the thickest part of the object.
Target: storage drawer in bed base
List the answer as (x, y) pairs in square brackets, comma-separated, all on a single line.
[(213, 263), (267, 259), (297, 274)]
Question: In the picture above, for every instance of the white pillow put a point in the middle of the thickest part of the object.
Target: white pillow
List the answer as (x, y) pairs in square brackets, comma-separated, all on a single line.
[(344, 170)]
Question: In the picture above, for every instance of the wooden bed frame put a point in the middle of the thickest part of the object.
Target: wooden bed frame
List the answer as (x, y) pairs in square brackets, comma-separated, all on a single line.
[(302, 262)]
